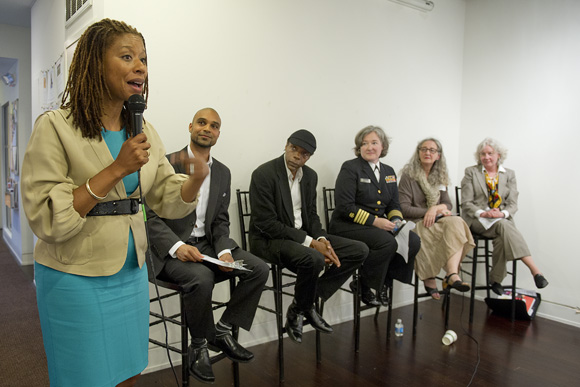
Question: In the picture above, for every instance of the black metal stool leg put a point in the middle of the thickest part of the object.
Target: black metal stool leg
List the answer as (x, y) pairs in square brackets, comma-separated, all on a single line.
[(473, 282), (184, 345), (356, 301), (513, 314), (415, 305), (277, 284), (390, 311), (318, 348)]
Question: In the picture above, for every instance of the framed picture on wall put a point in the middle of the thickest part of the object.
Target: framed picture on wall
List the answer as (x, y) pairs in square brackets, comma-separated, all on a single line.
[(13, 138)]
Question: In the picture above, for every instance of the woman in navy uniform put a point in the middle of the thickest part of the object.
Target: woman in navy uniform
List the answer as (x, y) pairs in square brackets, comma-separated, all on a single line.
[(368, 210)]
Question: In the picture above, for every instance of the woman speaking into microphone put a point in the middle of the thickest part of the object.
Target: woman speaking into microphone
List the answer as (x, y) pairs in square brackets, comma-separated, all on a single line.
[(81, 195)]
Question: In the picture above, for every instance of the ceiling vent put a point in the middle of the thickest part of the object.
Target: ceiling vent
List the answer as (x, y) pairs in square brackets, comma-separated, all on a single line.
[(74, 8)]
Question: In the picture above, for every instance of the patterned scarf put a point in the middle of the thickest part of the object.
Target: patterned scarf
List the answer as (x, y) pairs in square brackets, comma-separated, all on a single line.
[(494, 200), (431, 193)]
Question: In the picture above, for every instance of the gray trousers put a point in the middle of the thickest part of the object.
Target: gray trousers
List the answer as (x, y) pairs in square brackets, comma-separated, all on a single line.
[(508, 244)]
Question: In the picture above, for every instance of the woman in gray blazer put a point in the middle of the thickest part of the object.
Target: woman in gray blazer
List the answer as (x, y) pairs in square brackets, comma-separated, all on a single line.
[(489, 199)]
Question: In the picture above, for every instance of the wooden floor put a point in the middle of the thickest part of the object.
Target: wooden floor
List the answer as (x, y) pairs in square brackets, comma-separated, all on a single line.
[(538, 353), (499, 353)]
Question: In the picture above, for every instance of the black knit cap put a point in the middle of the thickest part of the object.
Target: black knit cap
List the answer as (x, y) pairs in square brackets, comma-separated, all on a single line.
[(304, 139)]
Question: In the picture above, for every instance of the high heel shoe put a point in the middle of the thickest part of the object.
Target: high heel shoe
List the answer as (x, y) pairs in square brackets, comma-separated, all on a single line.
[(433, 292), (457, 285), (541, 281)]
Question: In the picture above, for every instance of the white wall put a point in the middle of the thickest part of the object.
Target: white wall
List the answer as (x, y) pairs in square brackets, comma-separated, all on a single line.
[(522, 86), (332, 67), (15, 43)]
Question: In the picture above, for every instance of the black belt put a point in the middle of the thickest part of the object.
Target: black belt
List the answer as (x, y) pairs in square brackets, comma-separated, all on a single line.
[(116, 207), (193, 240)]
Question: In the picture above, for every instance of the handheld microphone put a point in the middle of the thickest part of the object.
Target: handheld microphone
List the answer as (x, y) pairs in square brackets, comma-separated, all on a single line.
[(136, 105)]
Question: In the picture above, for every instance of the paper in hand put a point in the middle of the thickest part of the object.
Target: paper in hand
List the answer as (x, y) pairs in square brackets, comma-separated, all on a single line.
[(238, 265)]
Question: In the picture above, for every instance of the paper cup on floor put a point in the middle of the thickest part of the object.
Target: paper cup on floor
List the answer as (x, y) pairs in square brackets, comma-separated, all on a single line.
[(449, 338)]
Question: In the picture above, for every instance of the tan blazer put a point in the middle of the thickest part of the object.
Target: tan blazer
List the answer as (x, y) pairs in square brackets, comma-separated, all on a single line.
[(58, 160), (474, 192)]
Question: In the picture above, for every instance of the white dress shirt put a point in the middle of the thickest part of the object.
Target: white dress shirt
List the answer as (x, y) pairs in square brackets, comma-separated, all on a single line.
[(200, 210)]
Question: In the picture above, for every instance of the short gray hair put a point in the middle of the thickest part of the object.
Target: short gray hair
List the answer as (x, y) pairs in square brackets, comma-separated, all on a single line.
[(358, 139), (497, 147)]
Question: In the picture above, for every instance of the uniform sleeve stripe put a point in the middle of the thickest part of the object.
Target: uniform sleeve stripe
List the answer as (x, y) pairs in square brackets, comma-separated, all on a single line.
[(361, 217), (395, 213)]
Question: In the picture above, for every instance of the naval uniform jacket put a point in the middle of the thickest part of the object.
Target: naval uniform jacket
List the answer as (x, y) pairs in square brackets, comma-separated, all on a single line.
[(360, 198)]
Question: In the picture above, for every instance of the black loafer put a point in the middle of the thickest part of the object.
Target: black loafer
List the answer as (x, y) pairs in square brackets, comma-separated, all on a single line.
[(200, 364), (541, 281), (317, 321), (294, 323), (231, 348), (497, 288), (367, 296)]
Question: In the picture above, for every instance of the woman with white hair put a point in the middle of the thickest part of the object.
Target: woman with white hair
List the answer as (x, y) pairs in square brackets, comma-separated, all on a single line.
[(489, 199), (445, 239)]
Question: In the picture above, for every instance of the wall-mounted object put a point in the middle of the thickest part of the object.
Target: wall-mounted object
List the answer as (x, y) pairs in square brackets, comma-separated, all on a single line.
[(8, 80), (421, 5), (74, 8)]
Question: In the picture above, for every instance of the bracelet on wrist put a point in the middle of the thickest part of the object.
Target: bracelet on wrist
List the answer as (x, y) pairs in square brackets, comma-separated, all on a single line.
[(96, 197)]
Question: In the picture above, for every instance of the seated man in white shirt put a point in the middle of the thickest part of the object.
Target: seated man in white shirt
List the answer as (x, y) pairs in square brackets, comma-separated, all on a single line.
[(177, 247)]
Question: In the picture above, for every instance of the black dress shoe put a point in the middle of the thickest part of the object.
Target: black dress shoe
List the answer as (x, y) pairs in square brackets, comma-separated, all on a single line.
[(497, 288), (541, 281), (231, 348), (367, 296), (294, 323), (383, 296), (317, 321), (200, 364)]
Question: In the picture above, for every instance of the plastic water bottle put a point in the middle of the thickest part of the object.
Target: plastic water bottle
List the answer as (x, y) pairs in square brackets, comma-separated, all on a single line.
[(399, 328)]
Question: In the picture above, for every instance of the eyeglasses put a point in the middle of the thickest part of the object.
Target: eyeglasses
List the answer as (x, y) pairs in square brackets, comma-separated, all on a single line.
[(430, 150)]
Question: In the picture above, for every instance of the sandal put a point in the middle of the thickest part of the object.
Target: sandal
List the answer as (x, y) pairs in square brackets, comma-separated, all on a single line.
[(458, 285), (433, 292)]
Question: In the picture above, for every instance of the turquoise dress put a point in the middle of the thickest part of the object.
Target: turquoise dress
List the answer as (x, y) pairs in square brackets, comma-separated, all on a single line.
[(95, 329)]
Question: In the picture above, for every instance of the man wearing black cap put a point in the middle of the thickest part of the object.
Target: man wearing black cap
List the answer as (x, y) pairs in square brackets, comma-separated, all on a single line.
[(285, 229)]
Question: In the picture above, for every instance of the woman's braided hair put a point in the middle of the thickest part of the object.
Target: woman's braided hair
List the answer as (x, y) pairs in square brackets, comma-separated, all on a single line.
[(86, 88)]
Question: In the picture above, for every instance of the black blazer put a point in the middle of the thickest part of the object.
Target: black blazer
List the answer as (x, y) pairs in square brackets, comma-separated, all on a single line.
[(164, 233), (359, 197), (272, 219)]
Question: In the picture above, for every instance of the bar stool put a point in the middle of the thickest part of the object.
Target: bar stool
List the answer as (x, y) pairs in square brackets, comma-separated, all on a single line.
[(278, 285), (479, 258), (178, 319)]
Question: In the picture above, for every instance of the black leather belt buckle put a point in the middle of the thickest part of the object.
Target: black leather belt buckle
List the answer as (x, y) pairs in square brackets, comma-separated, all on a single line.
[(134, 206), (193, 240)]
